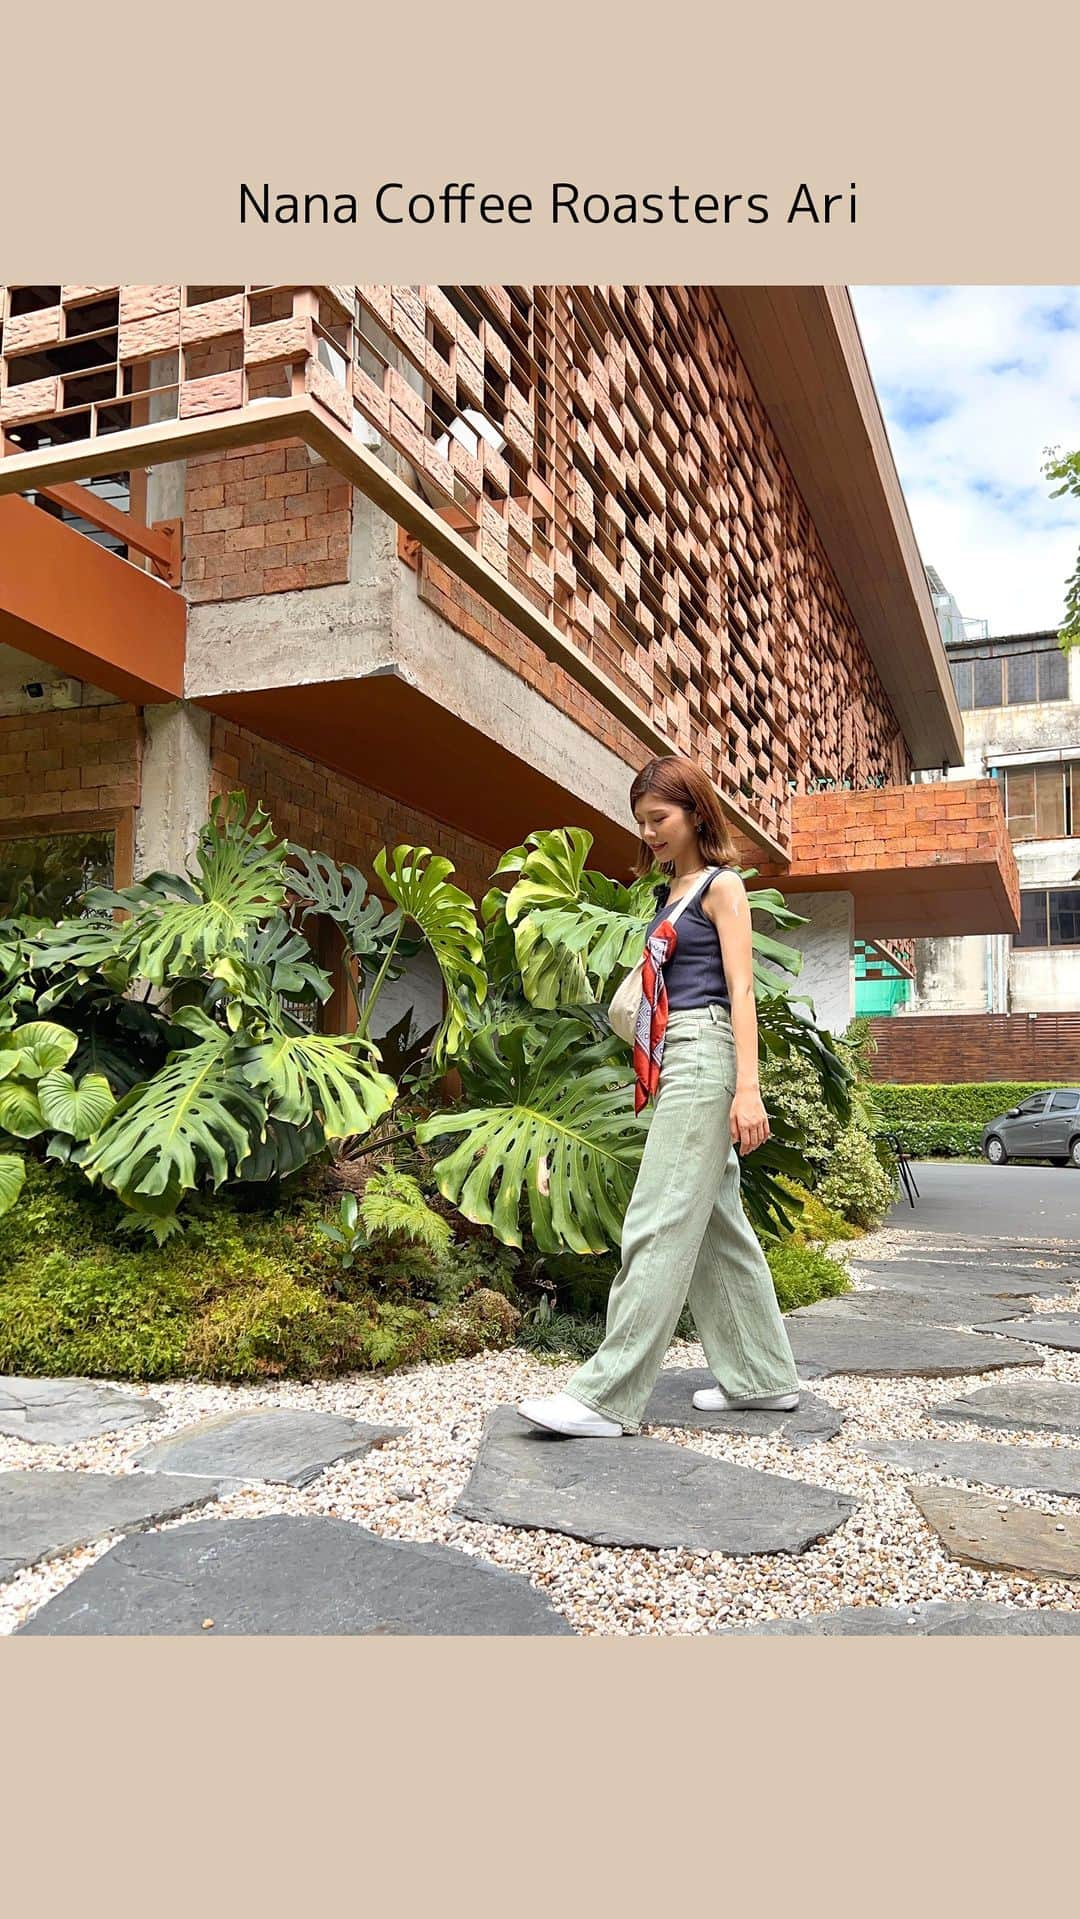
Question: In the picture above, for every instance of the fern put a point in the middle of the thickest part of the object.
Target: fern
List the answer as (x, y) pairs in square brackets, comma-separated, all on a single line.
[(394, 1204)]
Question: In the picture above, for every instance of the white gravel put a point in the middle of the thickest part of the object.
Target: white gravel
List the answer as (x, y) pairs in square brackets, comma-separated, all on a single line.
[(884, 1555)]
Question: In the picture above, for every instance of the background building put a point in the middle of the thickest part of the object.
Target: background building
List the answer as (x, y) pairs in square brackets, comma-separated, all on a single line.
[(447, 564), (1020, 699)]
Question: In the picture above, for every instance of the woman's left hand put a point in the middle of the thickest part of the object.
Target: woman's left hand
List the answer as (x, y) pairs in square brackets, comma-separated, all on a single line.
[(749, 1121)]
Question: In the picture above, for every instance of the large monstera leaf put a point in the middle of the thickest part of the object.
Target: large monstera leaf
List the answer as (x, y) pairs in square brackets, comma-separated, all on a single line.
[(318, 1076), (188, 1126), (556, 1131), (419, 883), (572, 929), (178, 928), (340, 894)]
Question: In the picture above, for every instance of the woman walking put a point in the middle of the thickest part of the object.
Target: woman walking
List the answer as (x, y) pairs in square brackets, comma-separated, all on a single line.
[(685, 1234)]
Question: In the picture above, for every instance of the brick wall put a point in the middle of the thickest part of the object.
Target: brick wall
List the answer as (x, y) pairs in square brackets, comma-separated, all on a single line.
[(87, 760), (935, 824), (949, 1049), (264, 521), (336, 815)]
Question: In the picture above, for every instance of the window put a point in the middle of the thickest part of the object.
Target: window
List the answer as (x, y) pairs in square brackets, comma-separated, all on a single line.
[(962, 681), (988, 682), (1021, 680), (44, 875), (1033, 921), (1033, 1105), (1064, 916), (1053, 675), (1064, 1103), (1050, 917), (1041, 801), (1025, 678)]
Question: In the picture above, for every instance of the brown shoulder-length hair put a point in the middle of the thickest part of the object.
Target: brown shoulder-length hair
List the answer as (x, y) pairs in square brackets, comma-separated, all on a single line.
[(681, 783)]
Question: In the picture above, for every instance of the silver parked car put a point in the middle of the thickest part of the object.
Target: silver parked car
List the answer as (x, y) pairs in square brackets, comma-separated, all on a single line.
[(1046, 1126)]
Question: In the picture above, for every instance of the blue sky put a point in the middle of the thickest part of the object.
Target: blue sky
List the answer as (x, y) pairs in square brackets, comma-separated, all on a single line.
[(974, 382)]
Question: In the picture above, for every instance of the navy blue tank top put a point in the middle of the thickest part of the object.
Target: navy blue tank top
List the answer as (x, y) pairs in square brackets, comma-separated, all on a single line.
[(694, 975)]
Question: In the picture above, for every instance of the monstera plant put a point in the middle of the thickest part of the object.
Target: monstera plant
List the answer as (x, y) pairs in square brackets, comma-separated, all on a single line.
[(548, 1132), (159, 1042), (182, 996)]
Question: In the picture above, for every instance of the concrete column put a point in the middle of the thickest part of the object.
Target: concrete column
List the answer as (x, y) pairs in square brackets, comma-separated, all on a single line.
[(827, 945), (175, 786)]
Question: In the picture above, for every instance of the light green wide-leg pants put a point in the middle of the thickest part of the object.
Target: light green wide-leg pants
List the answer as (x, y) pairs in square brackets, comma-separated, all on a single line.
[(685, 1234)]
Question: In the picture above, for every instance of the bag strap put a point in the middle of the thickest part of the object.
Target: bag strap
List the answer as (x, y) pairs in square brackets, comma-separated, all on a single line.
[(686, 898)]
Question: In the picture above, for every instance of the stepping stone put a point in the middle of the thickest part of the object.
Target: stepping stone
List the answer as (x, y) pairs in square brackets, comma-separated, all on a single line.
[(976, 1618), (268, 1443), (982, 1532), (640, 1492), (1036, 1405), (993, 1256), (59, 1412), (884, 1349), (996, 1282), (44, 1514), (672, 1404), (1061, 1330), (286, 1574), (1042, 1469), (911, 1309)]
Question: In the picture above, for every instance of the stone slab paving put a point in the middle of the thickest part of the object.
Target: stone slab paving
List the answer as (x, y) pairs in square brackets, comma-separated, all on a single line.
[(672, 1404), (999, 1282), (979, 1618), (44, 1514), (1060, 1330), (885, 1349), (971, 1310), (292, 1574), (636, 1491), (266, 1443), (1030, 1405), (982, 1531), (1042, 1469), (61, 1412)]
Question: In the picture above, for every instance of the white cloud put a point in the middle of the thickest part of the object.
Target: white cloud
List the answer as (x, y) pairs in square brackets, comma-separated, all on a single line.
[(974, 383)]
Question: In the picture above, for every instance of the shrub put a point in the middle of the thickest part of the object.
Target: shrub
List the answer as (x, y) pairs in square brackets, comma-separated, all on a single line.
[(242, 1295), (855, 1183), (852, 1179), (802, 1274)]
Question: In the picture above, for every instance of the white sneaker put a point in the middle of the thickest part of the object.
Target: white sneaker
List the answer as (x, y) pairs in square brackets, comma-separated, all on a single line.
[(560, 1413), (713, 1399)]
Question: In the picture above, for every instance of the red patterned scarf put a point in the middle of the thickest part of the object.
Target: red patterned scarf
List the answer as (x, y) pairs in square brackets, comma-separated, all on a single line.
[(652, 1016)]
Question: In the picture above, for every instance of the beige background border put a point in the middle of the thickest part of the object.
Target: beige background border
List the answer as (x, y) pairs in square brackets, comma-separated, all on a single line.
[(520, 1777), (524, 1777), (126, 144)]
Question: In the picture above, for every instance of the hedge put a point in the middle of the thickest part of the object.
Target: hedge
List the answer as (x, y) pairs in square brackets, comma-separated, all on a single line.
[(947, 1121)]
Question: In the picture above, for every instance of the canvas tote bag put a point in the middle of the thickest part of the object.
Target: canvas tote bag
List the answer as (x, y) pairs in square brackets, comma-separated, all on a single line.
[(623, 1009)]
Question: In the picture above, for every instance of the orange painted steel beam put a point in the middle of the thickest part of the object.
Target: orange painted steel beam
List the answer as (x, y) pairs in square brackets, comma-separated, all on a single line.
[(65, 601), (160, 543)]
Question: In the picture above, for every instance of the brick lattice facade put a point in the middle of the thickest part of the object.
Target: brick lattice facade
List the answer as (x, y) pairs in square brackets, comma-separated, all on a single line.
[(603, 448)]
